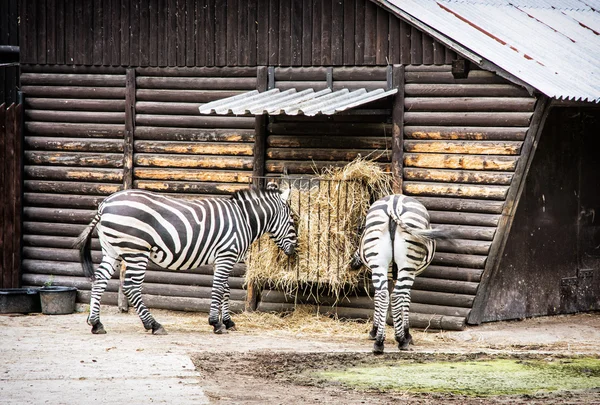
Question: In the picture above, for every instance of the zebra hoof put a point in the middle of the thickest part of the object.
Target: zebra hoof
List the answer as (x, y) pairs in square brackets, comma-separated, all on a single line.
[(98, 329), (230, 325), (157, 329), (373, 334), (404, 343), (220, 329), (377, 348)]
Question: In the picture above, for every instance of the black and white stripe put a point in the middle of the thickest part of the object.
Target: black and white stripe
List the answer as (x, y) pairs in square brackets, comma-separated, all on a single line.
[(136, 226), (396, 231)]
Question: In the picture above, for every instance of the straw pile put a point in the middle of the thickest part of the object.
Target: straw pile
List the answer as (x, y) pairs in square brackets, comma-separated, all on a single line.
[(329, 212)]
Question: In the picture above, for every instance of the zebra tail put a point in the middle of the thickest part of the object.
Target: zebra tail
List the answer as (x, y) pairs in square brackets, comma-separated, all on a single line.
[(83, 243)]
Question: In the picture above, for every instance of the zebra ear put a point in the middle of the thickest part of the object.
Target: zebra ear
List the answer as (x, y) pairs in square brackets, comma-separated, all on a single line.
[(285, 194)]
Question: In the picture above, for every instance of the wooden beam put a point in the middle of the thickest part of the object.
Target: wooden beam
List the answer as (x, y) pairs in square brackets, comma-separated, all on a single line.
[(397, 127), (530, 144)]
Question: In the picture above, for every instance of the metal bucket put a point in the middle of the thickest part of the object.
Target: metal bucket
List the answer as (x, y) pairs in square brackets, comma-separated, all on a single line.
[(58, 300), (19, 300)]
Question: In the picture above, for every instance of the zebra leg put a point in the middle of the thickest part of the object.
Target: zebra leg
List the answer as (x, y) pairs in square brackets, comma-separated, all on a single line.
[(222, 270), (401, 307), (103, 273), (382, 301), (229, 324), (135, 271)]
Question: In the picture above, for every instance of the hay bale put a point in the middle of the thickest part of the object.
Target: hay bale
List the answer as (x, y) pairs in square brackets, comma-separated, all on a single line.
[(329, 210)]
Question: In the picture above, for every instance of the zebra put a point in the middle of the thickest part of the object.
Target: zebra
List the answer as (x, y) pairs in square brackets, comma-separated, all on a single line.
[(136, 226), (397, 230)]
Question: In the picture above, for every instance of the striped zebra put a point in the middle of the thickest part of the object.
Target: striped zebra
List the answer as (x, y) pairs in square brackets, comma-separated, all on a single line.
[(396, 231), (136, 226)]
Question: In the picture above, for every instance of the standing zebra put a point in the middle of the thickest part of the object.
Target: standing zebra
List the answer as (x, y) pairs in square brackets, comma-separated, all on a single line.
[(136, 226), (396, 230)]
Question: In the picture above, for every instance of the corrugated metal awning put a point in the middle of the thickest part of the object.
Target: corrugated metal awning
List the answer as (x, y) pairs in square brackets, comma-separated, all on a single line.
[(292, 102)]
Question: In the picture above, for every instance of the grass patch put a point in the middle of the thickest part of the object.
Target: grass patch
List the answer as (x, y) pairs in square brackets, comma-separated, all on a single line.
[(474, 378)]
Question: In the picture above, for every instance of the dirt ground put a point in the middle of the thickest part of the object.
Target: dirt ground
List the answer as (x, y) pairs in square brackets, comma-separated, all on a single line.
[(56, 360)]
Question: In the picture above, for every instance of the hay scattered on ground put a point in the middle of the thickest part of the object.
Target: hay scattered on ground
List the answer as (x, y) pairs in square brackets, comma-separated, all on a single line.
[(329, 212)]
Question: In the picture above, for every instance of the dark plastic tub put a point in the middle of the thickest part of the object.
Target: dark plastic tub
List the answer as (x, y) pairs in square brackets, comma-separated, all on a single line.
[(58, 300), (19, 300)]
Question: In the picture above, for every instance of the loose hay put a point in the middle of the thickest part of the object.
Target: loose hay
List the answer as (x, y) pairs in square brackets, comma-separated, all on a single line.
[(329, 210)]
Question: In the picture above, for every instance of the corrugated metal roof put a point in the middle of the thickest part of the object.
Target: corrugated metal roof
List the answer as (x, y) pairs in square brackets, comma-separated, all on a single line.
[(551, 45), (291, 102)]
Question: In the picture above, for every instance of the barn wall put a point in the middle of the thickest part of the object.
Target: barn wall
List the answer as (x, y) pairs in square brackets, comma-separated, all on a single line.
[(82, 129), (220, 33)]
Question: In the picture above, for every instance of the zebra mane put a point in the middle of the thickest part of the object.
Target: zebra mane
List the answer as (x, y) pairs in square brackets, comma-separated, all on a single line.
[(253, 193)]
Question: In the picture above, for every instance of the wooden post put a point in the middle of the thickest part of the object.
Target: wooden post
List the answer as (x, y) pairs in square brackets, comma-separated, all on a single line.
[(397, 127), (528, 149), (18, 194), (122, 302), (258, 167), (3, 199)]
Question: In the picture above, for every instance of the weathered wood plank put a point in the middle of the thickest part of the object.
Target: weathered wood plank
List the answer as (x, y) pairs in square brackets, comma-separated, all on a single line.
[(465, 90), (194, 122), (75, 129), (324, 154), (218, 176), (485, 233), (453, 273), (465, 133), (73, 145), (190, 96), (465, 147), (471, 104), (175, 108), (74, 104), (458, 176), (67, 216), (196, 161), (75, 116), (62, 201), (73, 173), (307, 167), (464, 218), (194, 134), (329, 141), (73, 159), (461, 205), (489, 119), (458, 161), (69, 187), (74, 92), (205, 148), (197, 83), (67, 79), (446, 77), (189, 187), (464, 246), (455, 190)]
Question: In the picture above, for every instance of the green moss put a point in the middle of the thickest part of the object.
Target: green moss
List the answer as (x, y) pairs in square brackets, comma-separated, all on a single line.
[(474, 378)]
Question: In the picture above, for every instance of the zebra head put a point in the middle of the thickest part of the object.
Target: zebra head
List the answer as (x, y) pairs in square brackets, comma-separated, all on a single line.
[(282, 229)]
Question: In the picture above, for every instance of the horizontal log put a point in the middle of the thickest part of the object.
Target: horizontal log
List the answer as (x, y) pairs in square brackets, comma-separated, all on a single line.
[(74, 92), (462, 205), (150, 107), (452, 273), (458, 161), (326, 154), (196, 161), (108, 298), (194, 134), (60, 242), (70, 187), (455, 190), (459, 260), (329, 141), (464, 218), (187, 304), (457, 176), (74, 159), (300, 167), (446, 77), (465, 133), (486, 119), (71, 215), (465, 246), (73, 145), (464, 90), (339, 73), (75, 129), (341, 129), (70, 266), (75, 116), (194, 122), (196, 83), (428, 68), (74, 104), (468, 231), (80, 79), (447, 286), (204, 148), (464, 147), (184, 96), (441, 298), (381, 118), (74, 173), (189, 187), (197, 71), (471, 104), (62, 200), (219, 176)]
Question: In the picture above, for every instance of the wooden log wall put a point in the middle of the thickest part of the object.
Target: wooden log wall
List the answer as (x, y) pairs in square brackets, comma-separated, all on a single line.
[(90, 132), (299, 145), (9, 55), (11, 152), (191, 33)]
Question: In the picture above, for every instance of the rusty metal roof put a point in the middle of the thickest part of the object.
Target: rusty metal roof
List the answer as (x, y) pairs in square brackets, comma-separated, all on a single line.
[(549, 45), (292, 102)]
